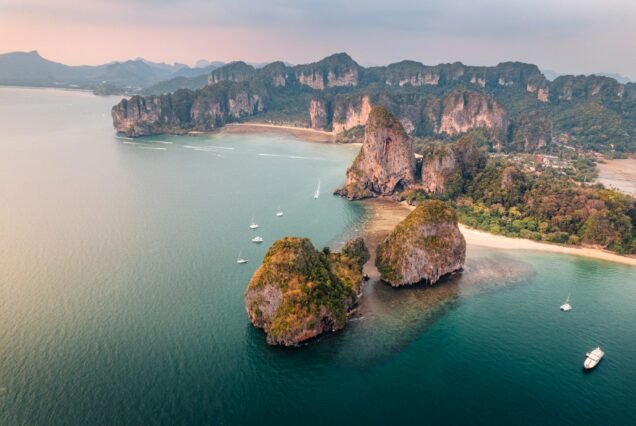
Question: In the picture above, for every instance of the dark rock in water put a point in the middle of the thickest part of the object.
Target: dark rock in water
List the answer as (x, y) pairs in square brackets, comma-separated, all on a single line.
[(423, 247), (386, 162), (299, 293)]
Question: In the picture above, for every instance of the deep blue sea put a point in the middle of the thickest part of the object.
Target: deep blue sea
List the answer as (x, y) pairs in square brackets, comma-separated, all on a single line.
[(121, 301)]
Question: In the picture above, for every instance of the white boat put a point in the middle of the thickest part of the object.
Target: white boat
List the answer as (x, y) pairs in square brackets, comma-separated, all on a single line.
[(593, 358), (257, 239), (317, 193), (240, 259), (566, 307), (253, 224), (280, 213)]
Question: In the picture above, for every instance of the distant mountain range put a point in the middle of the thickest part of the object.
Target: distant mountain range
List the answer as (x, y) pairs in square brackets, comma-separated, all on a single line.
[(552, 75), (31, 69), (114, 78)]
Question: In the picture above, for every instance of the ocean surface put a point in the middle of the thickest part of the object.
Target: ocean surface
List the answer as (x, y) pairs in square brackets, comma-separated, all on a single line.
[(121, 300)]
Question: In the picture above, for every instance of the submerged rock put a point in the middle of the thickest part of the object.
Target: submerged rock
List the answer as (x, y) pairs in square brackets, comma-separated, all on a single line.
[(386, 162), (423, 247), (299, 293)]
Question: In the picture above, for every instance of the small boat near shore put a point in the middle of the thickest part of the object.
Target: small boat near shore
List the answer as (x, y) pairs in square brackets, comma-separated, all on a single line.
[(593, 358), (257, 239), (240, 259), (280, 213), (566, 307)]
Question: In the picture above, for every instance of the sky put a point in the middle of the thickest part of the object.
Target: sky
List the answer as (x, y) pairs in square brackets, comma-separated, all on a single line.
[(571, 36)]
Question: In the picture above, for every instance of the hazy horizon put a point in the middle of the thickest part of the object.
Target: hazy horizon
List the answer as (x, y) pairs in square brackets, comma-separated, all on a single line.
[(575, 36)]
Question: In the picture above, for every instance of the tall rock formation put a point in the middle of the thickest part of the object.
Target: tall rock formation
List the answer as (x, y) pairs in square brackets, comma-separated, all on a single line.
[(234, 71), (185, 110), (299, 293), (447, 168), (386, 162), (423, 247), (441, 173), (465, 110), (337, 70), (533, 132), (347, 115)]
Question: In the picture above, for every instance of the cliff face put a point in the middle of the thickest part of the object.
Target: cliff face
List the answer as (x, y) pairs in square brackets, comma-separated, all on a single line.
[(440, 170), (234, 71), (318, 114), (347, 115), (337, 70), (424, 247), (533, 132), (186, 110), (299, 293), (568, 88), (464, 110), (386, 161), (447, 168), (140, 116), (589, 112)]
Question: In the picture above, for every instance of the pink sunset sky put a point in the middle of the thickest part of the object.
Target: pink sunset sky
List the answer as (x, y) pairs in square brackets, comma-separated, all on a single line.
[(573, 36)]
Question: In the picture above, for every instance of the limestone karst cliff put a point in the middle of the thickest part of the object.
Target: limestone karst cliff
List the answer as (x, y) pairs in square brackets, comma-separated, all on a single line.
[(423, 247), (386, 161), (464, 110), (437, 101), (533, 132), (186, 110), (299, 293)]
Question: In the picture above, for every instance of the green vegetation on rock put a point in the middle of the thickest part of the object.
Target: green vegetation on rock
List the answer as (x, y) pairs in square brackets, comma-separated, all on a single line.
[(298, 292), (423, 247)]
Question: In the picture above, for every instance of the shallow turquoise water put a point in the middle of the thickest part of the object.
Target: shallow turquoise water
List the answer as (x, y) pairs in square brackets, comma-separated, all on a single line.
[(121, 302)]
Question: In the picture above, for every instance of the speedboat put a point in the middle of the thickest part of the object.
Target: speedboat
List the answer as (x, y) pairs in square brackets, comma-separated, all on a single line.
[(593, 358), (566, 307), (257, 239)]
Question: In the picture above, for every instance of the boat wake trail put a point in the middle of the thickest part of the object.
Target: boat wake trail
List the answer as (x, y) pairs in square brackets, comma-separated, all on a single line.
[(292, 157)]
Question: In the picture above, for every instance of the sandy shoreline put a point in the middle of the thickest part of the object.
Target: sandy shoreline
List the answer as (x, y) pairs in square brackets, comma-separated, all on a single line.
[(384, 215), (618, 174), (311, 135)]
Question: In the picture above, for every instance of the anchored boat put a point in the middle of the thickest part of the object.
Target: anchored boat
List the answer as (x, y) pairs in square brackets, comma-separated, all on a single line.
[(240, 259), (593, 358), (566, 307), (253, 224), (257, 239)]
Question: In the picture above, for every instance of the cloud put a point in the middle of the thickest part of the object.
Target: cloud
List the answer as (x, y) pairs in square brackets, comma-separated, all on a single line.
[(480, 31)]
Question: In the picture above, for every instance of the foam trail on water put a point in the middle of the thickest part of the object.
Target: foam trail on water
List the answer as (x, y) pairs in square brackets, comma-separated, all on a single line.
[(156, 148), (292, 157)]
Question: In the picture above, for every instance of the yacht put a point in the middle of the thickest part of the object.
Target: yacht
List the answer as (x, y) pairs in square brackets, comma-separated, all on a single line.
[(240, 259), (253, 224), (593, 358), (257, 239), (317, 193), (280, 213), (566, 307)]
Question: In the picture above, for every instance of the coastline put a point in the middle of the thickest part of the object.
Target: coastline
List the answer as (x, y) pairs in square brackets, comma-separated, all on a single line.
[(385, 214), (305, 133), (618, 174)]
